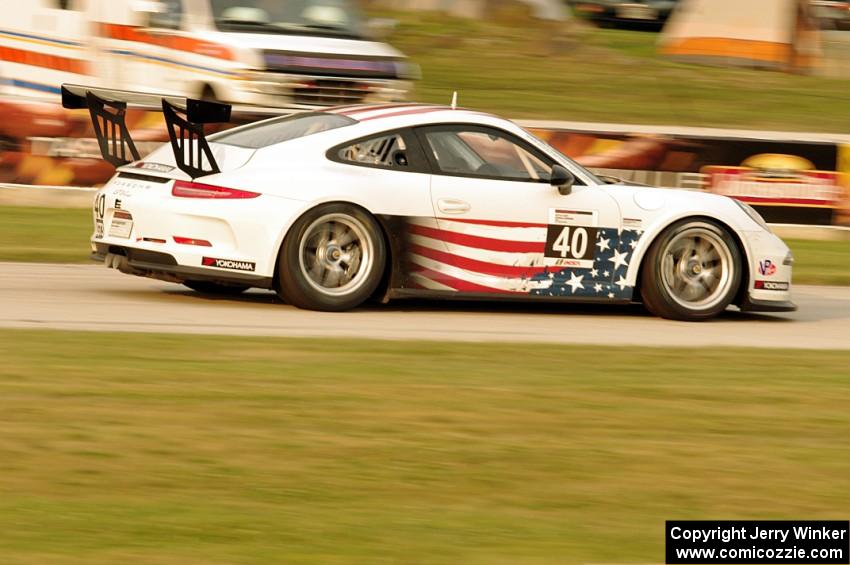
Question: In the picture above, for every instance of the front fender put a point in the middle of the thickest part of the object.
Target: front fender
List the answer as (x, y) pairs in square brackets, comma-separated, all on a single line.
[(667, 206)]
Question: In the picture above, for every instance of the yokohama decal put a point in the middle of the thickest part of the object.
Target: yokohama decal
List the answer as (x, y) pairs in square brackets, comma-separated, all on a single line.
[(229, 264)]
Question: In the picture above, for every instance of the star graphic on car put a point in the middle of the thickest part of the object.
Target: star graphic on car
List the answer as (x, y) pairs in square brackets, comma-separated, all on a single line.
[(619, 259), (575, 282)]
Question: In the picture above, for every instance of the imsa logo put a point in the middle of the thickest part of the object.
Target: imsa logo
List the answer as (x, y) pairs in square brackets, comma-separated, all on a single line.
[(228, 264)]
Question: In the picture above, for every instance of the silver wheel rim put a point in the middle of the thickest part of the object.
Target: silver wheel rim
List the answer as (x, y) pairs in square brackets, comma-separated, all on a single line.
[(336, 254), (696, 268)]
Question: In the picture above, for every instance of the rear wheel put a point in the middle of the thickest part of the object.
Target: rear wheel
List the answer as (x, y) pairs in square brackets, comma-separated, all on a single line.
[(332, 259), (212, 287), (692, 271)]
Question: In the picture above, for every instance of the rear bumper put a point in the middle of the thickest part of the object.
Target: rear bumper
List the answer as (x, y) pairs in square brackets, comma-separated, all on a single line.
[(163, 266)]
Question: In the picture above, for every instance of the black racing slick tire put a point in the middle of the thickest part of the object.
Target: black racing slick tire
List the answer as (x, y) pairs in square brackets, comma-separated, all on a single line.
[(332, 259), (212, 287), (692, 271)]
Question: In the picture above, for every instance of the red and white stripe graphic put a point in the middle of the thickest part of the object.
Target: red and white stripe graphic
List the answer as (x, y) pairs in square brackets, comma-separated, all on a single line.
[(368, 112), (477, 256), (363, 113)]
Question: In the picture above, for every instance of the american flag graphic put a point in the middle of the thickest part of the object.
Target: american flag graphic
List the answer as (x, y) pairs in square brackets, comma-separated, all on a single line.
[(481, 256)]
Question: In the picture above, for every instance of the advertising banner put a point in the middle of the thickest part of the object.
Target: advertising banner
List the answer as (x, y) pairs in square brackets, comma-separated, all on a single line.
[(797, 182)]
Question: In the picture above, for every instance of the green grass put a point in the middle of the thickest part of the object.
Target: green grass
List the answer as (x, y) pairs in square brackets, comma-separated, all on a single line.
[(522, 68), (60, 235), (821, 262), (165, 449), (54, 235)]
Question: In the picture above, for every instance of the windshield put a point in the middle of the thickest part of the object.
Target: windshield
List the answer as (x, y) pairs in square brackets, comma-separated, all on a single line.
[(334, 18), (534, 140)]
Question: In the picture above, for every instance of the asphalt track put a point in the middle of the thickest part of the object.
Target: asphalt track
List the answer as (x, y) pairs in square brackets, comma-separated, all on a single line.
[(92, 297)]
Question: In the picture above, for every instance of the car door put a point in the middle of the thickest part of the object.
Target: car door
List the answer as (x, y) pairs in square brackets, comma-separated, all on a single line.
[(502, 228), (389, 173)]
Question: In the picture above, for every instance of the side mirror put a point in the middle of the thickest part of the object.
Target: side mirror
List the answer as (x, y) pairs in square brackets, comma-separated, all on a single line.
[(562, 179)]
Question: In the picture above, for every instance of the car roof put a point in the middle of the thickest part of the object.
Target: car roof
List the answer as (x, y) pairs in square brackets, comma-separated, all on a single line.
[(388, 116), (370, 112), (365, 120)]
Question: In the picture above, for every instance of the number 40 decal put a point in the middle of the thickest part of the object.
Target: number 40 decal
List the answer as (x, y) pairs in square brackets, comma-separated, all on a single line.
[(570, 242)]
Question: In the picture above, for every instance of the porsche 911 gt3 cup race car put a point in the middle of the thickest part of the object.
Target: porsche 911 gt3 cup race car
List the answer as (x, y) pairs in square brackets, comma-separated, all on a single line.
[(331, 208)]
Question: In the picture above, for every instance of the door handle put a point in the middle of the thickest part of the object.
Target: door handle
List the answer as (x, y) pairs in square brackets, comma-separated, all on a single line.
[(453, 206)]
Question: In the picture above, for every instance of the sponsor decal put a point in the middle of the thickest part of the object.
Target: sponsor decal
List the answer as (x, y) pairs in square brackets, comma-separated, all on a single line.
[(767, 268), (632, 223), (771, 285), (126, 187), (122, 224), (117, 203), (98, 229), (229, 264), (566, 217), (158, 167)]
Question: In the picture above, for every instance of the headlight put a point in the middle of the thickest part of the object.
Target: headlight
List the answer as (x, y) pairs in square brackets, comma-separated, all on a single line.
[(751, 212), (789, 259)]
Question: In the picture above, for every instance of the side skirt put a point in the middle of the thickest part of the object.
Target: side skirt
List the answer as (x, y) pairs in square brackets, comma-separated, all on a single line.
[(400, 293)]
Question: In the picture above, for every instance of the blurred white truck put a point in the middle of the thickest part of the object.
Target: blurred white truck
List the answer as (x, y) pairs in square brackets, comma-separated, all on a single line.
[(271, 53)]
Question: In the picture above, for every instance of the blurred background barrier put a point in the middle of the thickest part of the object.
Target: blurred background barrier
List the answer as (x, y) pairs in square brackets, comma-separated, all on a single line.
[(527, 59), (46, 196), (789, 178)]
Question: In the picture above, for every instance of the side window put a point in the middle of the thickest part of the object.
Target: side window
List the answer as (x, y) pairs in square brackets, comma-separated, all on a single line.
[(169, 14), (393, 150), (483, 152)]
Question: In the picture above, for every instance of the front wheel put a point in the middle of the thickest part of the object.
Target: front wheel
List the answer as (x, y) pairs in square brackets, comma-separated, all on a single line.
[(692, 272), (332, 259)]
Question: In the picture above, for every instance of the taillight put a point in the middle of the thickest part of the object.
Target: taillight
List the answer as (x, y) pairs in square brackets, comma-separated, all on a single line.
[(184, 189), (191, 241)]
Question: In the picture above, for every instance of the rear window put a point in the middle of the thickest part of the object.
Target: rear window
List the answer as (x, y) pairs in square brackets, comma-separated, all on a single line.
[(276, 130)]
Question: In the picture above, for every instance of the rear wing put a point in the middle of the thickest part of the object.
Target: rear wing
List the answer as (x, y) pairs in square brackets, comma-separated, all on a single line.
[(184, 117)]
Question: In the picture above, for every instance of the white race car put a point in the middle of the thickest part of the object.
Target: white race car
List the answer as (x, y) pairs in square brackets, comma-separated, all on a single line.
[(331, 208)]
